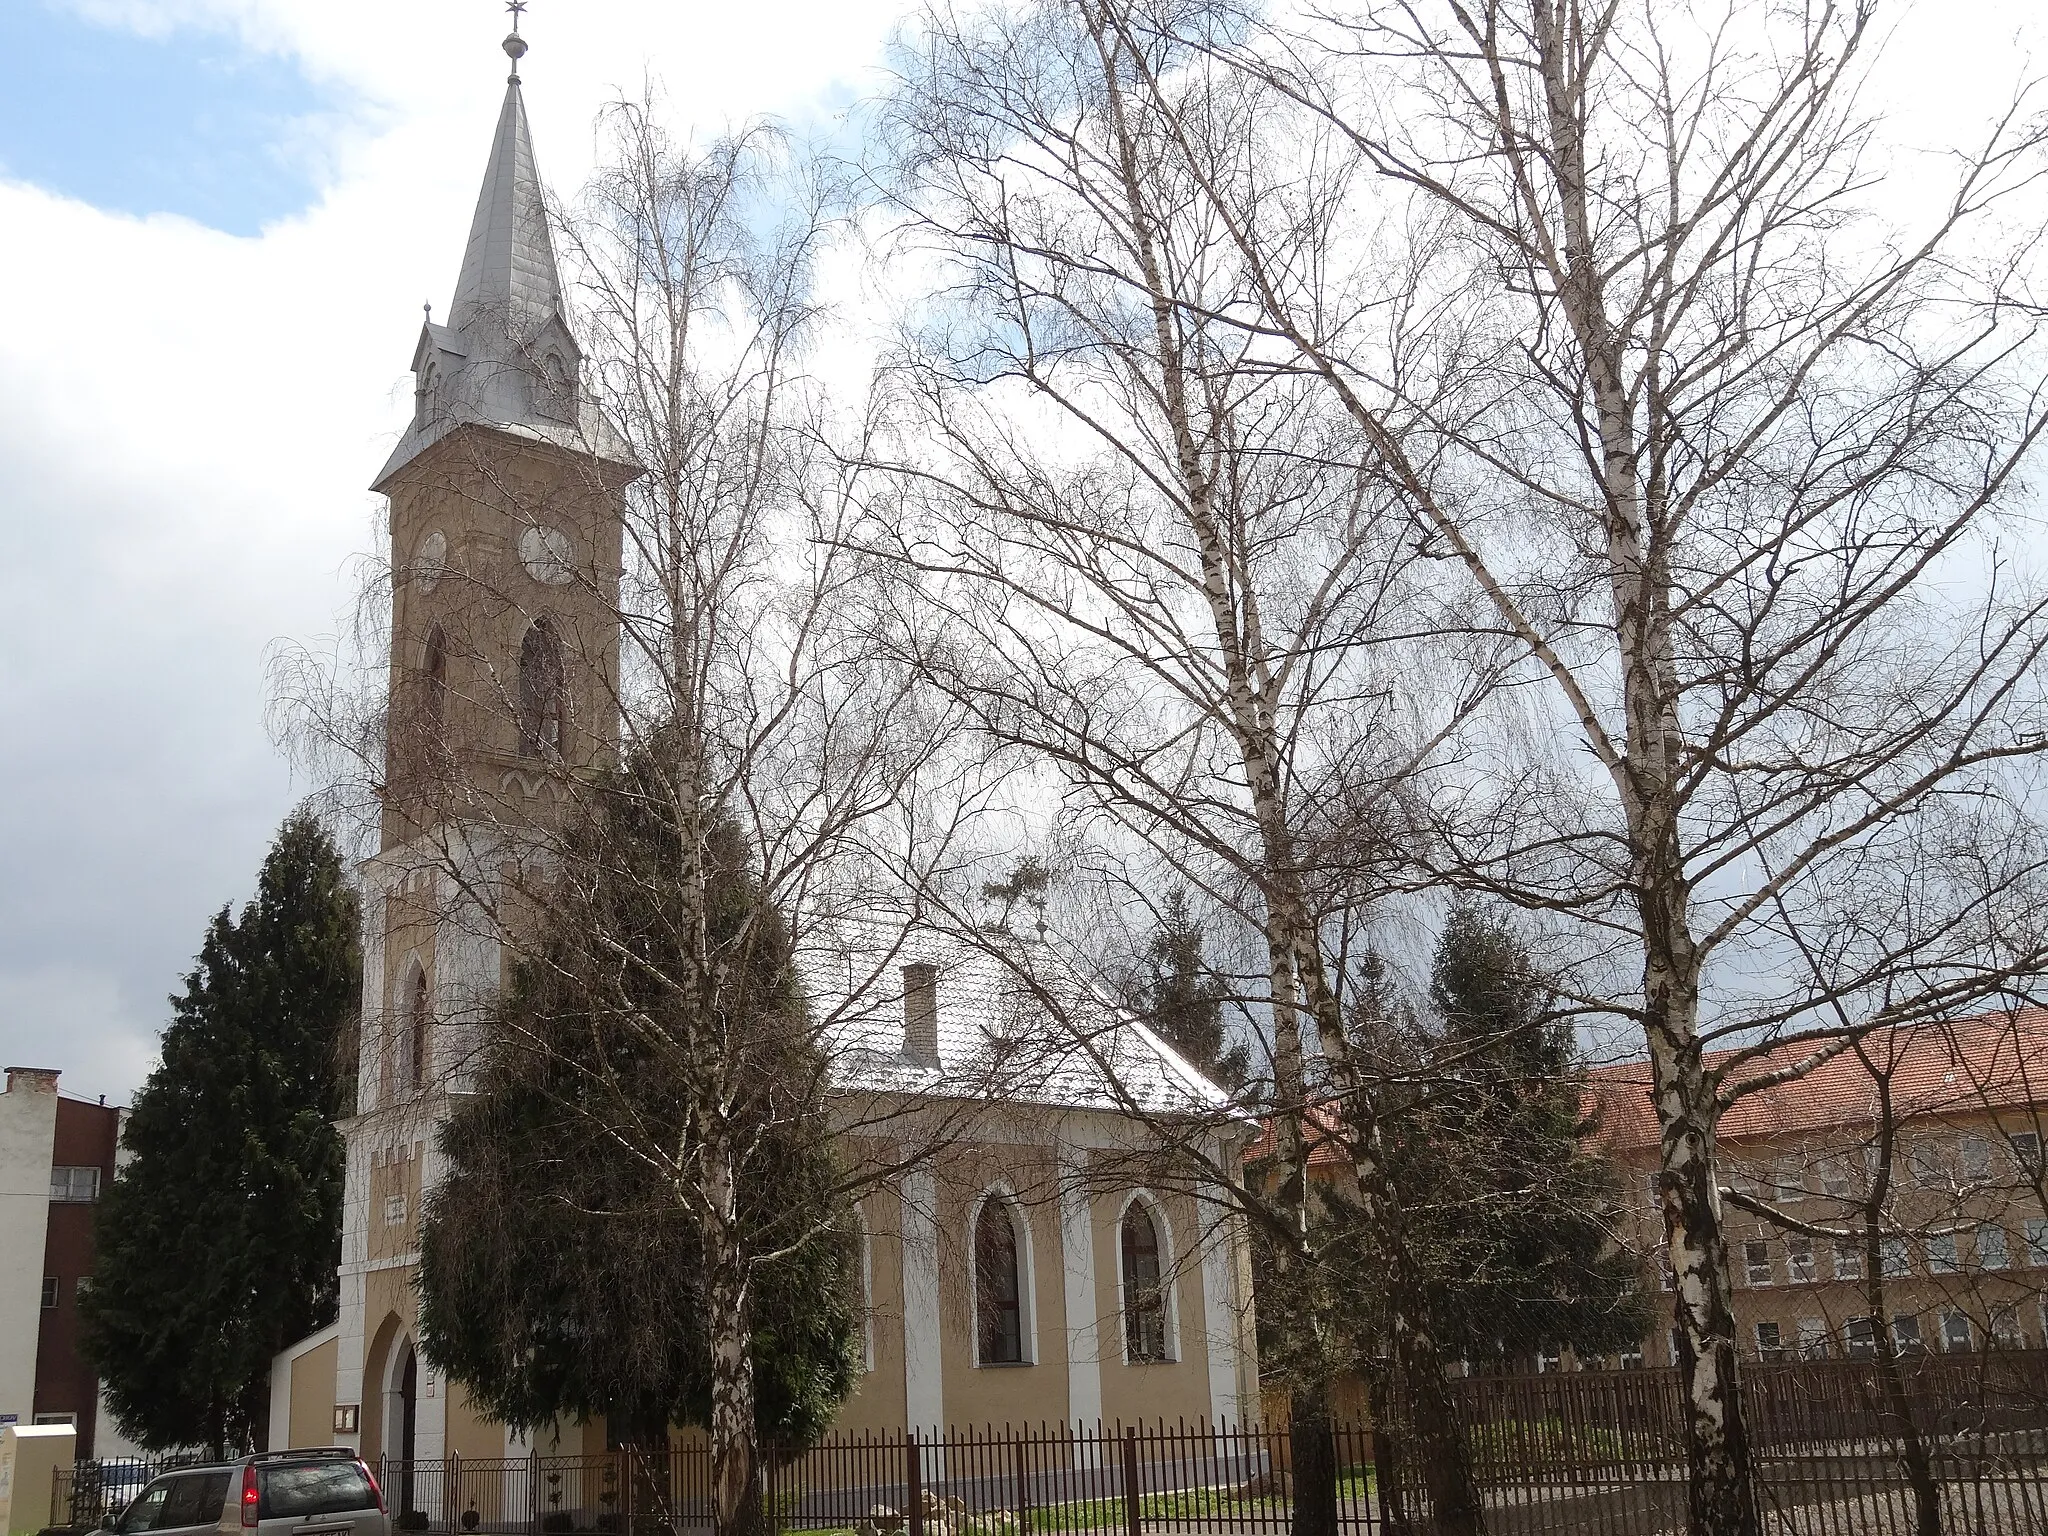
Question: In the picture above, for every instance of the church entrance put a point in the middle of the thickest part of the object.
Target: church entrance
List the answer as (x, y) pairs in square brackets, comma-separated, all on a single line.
[(401, 1421)]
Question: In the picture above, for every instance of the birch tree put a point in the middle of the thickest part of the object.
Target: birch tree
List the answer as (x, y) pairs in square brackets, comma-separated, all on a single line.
[(1167, 571), (1729, 443)]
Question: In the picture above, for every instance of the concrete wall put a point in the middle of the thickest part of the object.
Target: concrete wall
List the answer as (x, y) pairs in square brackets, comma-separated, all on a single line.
[(28, 1130)]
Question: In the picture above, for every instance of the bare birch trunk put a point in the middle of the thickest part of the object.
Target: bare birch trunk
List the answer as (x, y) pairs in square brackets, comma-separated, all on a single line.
[(735, 1477), (1898, 1407)]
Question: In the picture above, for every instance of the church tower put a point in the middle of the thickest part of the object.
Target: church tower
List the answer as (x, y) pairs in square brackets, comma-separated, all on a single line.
[(504, 670)]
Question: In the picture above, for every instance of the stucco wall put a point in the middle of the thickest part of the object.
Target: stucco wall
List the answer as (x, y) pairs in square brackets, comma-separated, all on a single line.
[(28, 1129), (312, 1396)]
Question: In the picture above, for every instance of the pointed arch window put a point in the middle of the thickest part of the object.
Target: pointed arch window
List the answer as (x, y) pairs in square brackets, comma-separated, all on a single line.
[(419, 1025), (434, 685), (1144, 1287), (998, 1285), (540, 691)]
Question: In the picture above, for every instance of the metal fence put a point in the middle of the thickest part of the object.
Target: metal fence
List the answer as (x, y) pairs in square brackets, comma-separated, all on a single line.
[(1591, 1452)]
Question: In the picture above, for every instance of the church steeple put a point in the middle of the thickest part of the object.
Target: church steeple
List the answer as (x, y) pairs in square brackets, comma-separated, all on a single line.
[(508, 269), (507, 358)]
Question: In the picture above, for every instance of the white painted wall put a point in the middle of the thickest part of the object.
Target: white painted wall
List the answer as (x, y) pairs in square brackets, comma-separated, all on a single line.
[(28, 1133)]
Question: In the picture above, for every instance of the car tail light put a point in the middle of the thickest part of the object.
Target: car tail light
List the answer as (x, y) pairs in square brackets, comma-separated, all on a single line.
[(251, 1496), (374, 1488)]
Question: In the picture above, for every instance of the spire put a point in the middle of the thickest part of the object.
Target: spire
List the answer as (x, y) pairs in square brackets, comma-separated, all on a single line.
[(506, 358), (508, 271)]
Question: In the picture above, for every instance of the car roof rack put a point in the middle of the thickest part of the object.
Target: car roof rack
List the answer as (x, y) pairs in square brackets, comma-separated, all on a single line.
[(299, 1452)]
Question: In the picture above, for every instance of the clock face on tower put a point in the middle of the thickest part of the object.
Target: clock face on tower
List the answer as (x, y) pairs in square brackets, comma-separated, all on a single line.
[(545, 554)]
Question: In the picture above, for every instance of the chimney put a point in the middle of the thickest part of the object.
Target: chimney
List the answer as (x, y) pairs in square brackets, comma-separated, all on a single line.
[(32, 1079), (921, 1013)]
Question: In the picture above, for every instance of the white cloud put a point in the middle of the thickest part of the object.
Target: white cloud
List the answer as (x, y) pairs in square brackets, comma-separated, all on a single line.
[(188, 421)]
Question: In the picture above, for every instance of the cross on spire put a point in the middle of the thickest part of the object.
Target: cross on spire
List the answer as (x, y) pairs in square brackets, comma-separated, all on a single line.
[(515, 45)]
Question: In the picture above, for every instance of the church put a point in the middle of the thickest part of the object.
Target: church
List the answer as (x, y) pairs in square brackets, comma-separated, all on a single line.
[(1009, 1276)]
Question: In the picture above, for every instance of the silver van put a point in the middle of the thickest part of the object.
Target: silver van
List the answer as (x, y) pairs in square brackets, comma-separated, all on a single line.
[(322, 1492)]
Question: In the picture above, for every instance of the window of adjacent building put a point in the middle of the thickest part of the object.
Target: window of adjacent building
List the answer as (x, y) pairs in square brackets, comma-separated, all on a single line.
[(1756, 1262), (1813, 1338), (1770, 1342), (1629, 1360), (2005, 1327), (1799, 1265), (1848, 1261), (1549, 1360), (540, 691), (1144, 1289), (1666, 1280), (1941, 1254), (1788, 1182), (1928, 1163), (1976, 1159), (394, 1210), (1653, 1183), (998, 1286), (1673, 1341), (81, 1285), (1955, 1330), (74, 1185), (1859, 1338), (49, 1292), (1836, 1179), (2026, 1152), (1895, 1259), (1992, 1252), (2037, 1240), (1906, 1335)]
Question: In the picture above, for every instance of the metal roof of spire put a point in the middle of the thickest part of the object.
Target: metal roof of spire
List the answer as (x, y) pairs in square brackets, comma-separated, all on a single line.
[(509, 268), (507, 358)]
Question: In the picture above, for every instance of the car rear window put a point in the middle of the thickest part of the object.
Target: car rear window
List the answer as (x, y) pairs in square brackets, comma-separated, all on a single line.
[(315, 1488)]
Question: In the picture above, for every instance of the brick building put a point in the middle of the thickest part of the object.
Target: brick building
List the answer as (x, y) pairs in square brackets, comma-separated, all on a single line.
[(56, 1154), (1962, 1215)]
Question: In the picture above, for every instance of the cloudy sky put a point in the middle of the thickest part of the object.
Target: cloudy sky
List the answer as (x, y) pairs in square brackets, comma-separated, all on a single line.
[(218, 221)]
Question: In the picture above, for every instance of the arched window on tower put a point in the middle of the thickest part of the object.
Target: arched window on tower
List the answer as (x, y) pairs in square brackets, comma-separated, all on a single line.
[(1144, 1292), (407, 1034), (540, 691), (419, 1025), (557, 399), (434, 686), (998, 1288)]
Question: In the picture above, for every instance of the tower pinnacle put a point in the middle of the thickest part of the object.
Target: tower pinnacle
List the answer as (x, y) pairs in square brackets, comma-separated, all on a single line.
[(506, 357)]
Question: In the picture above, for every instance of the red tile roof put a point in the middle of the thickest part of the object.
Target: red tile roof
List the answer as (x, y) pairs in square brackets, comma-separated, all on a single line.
[(1319, 1128), (1958, 1066)]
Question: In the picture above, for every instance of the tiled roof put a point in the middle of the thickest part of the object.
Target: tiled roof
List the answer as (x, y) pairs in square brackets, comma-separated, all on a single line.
[(1015, 1027), (1986, 1061), (1320, 1129)]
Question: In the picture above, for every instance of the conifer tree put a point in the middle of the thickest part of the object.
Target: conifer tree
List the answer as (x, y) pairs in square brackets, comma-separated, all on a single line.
[(568, 1263), (1502, 1202), (217, 1241), (1180, 997)]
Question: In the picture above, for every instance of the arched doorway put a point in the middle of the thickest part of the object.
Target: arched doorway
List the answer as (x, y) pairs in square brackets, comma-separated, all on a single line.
[(401, 1420)]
